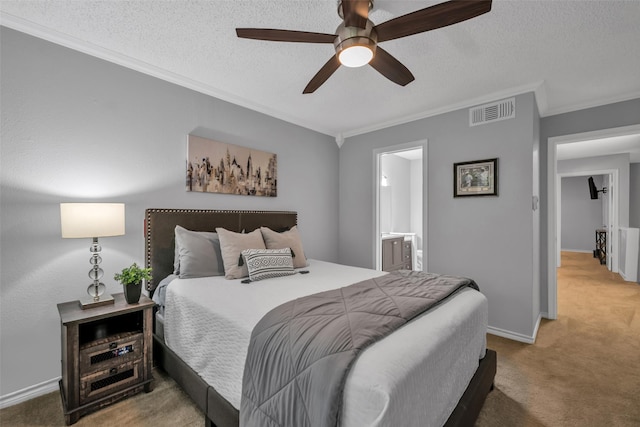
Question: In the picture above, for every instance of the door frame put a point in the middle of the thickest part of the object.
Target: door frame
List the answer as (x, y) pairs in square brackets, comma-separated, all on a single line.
[(552, 201), (377, 177)]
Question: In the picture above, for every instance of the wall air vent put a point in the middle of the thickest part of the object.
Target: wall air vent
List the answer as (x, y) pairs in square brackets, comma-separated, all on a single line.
[(492, 112)]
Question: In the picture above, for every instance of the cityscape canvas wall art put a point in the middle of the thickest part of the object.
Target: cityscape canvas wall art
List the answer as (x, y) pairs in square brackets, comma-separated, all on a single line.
[(217, 167)]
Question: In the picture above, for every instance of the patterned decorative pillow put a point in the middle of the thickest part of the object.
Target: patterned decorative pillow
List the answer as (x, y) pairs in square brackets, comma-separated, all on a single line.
[(268, 263)]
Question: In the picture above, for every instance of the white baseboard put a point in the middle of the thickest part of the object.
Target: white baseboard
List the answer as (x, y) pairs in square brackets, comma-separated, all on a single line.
[(514, 335), (582, 251), (535, 328), (29, 393), (545, 315)]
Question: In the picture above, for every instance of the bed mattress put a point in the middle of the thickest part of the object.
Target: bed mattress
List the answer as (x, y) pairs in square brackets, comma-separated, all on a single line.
[(414, 376)]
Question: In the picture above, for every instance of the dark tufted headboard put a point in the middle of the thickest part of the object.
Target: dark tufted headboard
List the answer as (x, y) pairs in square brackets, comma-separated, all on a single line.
[(160, 225)]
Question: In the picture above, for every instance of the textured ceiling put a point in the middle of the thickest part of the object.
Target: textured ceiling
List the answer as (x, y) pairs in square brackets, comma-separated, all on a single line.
[(574, 54)]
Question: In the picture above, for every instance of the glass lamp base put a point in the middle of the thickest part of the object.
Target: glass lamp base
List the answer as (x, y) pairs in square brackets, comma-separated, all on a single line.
[(96, 288), (96, 297), (91, 303)]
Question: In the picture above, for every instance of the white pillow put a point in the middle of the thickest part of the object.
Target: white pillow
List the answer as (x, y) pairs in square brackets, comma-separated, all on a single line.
[(286, 239), (268, 263), (232, 244)]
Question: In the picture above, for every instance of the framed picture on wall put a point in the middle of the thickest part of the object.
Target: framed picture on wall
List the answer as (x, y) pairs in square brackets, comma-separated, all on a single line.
[(218, 167), (475, 178)]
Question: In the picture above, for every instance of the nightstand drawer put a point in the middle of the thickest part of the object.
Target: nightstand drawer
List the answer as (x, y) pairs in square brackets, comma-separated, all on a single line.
[(109, 352), (105, 382)]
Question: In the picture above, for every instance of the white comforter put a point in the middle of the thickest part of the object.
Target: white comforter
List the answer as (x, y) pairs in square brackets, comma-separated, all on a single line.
[(415, 376)]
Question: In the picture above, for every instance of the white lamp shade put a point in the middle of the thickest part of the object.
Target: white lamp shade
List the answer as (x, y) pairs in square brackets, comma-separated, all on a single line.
[(88, 220)]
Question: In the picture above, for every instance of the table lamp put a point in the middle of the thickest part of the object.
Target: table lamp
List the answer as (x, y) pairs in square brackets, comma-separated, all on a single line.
[(93, 220)]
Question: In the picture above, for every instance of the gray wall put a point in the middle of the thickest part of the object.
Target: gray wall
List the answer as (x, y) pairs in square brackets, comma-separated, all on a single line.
[(581, 216), (634, 193), (609, 116), (487, 238), (76, 128), (618, 162), (397, 171)]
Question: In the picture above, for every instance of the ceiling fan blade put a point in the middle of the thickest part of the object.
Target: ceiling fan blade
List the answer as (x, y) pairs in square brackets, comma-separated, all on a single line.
[(284, 35), (430, 18), (391, 68), (321, 76), (355, 12)]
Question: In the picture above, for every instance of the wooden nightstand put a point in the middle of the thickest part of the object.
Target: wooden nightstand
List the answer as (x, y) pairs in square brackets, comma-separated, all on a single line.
[(106, 354)]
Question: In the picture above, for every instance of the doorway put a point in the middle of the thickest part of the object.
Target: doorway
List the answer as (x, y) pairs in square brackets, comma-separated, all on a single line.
[(553, 181), (400, 205), (605, 219)]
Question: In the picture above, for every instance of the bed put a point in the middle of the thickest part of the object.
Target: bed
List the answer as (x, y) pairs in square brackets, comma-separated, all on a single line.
[(217, 402)]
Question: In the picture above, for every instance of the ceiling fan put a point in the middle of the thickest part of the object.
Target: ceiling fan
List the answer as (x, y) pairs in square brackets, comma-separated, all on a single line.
[(356, 38)]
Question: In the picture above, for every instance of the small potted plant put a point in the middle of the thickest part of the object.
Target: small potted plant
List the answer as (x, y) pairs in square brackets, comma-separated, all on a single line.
[(131, 279)]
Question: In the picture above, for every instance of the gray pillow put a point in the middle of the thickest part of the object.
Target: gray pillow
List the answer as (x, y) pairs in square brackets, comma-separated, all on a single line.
[(176, 260), (198, 253)]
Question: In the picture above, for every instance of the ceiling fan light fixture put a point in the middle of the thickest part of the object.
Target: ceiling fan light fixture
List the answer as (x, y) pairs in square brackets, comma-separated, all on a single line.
[(355, 46), (355, 56)]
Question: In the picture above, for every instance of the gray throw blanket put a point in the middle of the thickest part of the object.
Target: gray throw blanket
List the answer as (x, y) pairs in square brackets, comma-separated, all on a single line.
[(300, 352)]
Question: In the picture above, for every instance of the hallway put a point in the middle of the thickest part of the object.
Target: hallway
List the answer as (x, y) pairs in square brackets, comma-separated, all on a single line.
[(584, 368)]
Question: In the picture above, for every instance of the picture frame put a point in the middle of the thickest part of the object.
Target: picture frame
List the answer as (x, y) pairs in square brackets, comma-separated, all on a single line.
[(475, 178), (218, 167)]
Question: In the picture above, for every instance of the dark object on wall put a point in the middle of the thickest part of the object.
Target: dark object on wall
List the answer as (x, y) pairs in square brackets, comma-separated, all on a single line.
[(593, 191), (475, 178)]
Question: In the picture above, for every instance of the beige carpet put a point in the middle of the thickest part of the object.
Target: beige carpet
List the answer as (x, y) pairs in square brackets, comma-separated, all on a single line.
[(583, 370), (166, 405)]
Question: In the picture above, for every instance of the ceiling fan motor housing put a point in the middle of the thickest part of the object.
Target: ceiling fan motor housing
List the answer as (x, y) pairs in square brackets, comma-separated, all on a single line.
[(353, 36), (341, 13)]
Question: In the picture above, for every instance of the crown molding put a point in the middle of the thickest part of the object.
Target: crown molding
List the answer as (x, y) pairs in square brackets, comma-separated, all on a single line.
[(39, 31), (537, 88), (584, 105)]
